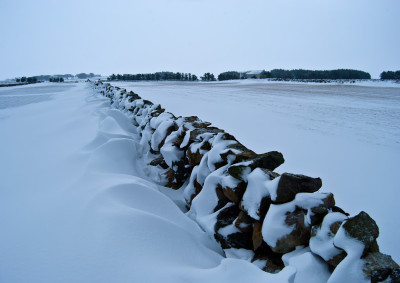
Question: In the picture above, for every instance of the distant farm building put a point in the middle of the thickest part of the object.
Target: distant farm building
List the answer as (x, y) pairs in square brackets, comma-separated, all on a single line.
[(256, 74)]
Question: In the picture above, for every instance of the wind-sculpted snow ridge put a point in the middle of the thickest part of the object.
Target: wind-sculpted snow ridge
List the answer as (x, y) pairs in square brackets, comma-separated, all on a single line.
[(254, 213)]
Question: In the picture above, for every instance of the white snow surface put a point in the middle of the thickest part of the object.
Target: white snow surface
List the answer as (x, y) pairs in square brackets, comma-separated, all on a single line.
[(347, 134), (322, 243), (75, 205), (255, 192)]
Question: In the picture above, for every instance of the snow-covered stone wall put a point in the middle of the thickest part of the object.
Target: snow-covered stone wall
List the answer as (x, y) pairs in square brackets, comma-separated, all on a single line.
[(253, 212)]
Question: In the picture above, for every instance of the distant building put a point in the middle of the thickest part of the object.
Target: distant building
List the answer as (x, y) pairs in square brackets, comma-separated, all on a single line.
[(255, 74)]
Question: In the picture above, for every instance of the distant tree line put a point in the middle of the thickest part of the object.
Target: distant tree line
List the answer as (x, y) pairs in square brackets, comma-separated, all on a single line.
[(48, 77), (56, 80), (231, 75), (208, 77), (299, 74), (390, 75), (26, 80), (86, 76), (339, 74), (158, 76)]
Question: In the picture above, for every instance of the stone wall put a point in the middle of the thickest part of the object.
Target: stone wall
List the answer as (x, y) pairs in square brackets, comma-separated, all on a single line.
[(235, 195)]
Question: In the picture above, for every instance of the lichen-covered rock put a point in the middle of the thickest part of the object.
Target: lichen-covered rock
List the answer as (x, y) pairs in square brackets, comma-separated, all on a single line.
[(291, 184), (381, 268), (363, 228)]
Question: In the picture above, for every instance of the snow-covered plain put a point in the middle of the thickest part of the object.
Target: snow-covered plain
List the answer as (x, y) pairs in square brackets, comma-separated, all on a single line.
[(75, 205), (347, 134)]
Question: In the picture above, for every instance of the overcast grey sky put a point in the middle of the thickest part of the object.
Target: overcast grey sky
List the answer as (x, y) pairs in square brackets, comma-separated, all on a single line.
[(121, 36)]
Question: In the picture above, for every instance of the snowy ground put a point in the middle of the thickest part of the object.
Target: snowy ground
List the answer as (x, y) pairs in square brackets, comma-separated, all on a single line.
[(349, 135), (76, 207)]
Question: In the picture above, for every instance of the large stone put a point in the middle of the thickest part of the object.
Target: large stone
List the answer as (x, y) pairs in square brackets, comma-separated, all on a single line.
[(159, 161), (162, 136), (224, 224), (169, 175), (239, 151), (222, 199), (238, 240), (269, 160), (322, 235), (291, 184), (299, 236), (195, 156), (235, 194), (317, 213), (196, 134), (257, 235), (181, 171), (132, 96), (267, 260), (381, 268), (244, 222), (226, 216), (195, 122), (363, 228)]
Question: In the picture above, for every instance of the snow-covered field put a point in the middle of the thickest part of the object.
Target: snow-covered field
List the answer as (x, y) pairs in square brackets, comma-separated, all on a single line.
[(349, 135), (76, 206)]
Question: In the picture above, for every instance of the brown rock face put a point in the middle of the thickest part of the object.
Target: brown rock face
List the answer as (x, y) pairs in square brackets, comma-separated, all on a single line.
[(244, 222), (291, 184), (257, 235), (363, 228), (171, 129), (244, 153), (235, 194), (222, 199), (237, 240), (333, 228), (381, 268), (226, 216), (273, 261), (160, 162), (299, 236), (269, 161), (320, 211), (196, 122), (169, 174), (194, 134)]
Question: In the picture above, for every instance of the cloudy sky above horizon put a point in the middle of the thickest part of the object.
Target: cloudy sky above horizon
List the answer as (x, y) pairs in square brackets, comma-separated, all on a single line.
[(197, 36)]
